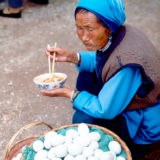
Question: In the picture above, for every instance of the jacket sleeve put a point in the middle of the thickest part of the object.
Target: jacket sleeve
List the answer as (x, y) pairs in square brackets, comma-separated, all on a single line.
[(88, 61), (113, 98)]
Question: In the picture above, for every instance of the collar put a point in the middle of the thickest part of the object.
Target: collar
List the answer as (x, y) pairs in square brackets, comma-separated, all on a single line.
[(105, 47)]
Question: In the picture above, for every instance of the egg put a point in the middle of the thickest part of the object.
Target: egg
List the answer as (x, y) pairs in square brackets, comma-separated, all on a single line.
[(72, 133), (40, 155), (47, 144), (38, 145), (68, 140), (75, 149), (95, 136), (83, 129), (51, 154), (98, 153), (57, 140), (56, 158), (120, 158), (69, 157), (59, 151), (80, 157), (115, 147), (83, 140), (94, 145), (19, 156), (108, 155), (50, 134), (87, 151), (92, 158)]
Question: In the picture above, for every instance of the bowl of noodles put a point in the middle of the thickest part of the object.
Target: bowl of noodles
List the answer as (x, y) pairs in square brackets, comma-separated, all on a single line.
[(49, 81)]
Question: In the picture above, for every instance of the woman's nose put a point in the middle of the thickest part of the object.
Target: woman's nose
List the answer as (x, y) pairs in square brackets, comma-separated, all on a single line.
[(85, 36)]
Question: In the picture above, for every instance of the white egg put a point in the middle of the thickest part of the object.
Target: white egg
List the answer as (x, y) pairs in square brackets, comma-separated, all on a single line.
[(68, 140), (50, 134), (58, 151), (108, 155), (115, 147), (83, 140), (92, 158), (56, 158), (40, 155), (94, 145), (120, 158), (46, 158), (72, 133), (61, 151), (57, 140), (80, 157), (69, 157), (19, 156), (95, 136), (98, 153), (87, 151), (38, 145), (75, 149), (83, 129), (47, 144), (14, 158), (51, 154)]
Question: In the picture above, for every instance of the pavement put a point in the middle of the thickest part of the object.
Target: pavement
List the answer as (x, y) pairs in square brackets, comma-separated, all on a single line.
[(22, 57)]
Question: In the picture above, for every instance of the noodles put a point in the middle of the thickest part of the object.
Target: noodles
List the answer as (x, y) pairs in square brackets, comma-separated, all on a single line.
[(50, 79)]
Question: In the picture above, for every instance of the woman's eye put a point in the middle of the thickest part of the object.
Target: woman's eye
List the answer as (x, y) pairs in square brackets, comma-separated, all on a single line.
[(79, 28), (90, 29)]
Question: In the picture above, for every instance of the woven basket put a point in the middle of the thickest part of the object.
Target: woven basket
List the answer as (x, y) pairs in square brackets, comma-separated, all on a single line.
[(12, 150)]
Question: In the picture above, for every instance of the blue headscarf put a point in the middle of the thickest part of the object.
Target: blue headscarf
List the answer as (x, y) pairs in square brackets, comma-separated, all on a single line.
[(111, 12)]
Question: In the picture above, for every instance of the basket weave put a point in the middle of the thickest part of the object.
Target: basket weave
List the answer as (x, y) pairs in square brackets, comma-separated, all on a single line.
[(14, 150)]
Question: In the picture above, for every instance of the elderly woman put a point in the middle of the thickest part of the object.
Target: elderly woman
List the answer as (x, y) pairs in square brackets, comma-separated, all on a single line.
[(119, 76)]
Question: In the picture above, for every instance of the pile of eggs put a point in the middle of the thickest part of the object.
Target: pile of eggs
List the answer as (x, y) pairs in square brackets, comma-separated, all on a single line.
[(80, 144)]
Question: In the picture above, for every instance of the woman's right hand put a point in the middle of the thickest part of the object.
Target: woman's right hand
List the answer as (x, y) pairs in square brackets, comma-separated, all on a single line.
[(62, 55)]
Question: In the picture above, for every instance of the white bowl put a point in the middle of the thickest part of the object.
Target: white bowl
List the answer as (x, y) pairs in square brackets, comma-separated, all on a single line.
[(39, 81)]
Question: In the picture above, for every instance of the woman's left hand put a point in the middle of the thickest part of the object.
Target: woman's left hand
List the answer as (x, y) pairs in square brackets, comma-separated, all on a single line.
[(60, 92)]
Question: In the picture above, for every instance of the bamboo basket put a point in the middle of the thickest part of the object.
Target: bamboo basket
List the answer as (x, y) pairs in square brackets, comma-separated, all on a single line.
[(12, 150)]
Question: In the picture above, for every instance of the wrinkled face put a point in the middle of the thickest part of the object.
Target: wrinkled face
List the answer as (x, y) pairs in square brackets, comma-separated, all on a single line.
[(92, 33)]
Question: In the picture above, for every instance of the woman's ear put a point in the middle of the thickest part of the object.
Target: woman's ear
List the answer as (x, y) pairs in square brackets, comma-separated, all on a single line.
[(109, 32)]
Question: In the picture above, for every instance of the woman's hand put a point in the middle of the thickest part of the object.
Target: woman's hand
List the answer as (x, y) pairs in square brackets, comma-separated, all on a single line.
[(60, 92), (62, 55)]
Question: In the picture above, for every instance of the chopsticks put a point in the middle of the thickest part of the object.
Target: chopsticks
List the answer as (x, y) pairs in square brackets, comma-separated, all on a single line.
[(49, 61), (53, 62)]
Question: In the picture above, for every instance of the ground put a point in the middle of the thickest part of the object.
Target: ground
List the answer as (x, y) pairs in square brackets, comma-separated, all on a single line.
[(22, 46)]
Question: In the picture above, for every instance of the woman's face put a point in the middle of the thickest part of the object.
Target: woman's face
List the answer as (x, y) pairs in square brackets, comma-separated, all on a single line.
[(92, 33)]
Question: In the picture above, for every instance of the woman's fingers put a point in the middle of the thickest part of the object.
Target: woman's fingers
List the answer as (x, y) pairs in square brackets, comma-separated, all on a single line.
[(60, 92), (53, 93), (54, 50), (62, 55)]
